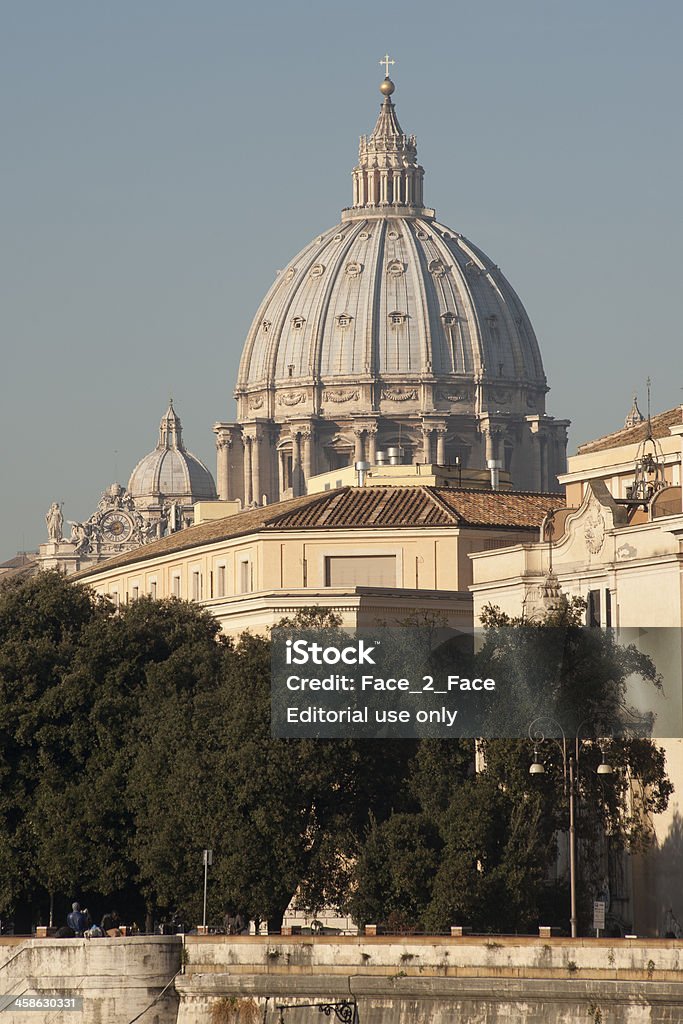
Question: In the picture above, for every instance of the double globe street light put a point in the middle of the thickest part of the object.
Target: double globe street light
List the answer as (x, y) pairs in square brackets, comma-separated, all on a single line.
[(570, 760)]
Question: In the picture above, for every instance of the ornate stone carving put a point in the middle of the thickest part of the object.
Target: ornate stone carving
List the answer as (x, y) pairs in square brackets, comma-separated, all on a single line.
[(256, 402), (594, 528), (501, 396), (317, 270), (54, 520), (399, 394), (291, 398), (625, 552), (452, 396), (290, 275), (340, 395)]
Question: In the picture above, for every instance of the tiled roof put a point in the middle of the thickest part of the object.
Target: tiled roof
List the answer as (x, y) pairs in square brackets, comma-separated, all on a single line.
[(358, 508), (634, 435), (500, 508)]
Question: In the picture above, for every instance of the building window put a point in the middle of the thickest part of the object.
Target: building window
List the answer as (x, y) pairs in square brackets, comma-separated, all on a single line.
[(196, 586), (593, 609), (153, 589), (297, 323), (360, 571), (134, 592), (246, 577), (176, 586), (608, 608), (396, 319), (114, 596), (220, 581), (344, 320)]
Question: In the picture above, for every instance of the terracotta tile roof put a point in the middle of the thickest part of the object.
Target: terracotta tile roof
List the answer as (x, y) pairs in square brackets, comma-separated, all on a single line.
[(634, 435), (512, 509), (358, 508)]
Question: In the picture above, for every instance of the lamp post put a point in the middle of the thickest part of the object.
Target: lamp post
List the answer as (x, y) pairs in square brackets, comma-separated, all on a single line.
[(570, 762)]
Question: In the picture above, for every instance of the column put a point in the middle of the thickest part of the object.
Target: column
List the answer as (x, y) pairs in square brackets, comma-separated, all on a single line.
[(297, 489), (223, 446), (372, 445), (307, 456), (358, 449), (248, 491), (426, 445), (256, 468), (441, 447)]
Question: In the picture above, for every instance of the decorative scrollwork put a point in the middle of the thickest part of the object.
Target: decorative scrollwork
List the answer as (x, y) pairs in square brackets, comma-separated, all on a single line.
[(340, 395), (399, 394), (291, 398)]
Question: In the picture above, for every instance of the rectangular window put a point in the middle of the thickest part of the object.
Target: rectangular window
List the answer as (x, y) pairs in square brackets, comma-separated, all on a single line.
[(221, 581), (176, 586), (196, 586), (360, 571), (593, 609), (115, 598), (153, 589), (608, 608), (246, 577), (135, 592)]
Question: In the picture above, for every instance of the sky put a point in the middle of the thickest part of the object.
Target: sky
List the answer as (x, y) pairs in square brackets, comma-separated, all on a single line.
[(161, 160)]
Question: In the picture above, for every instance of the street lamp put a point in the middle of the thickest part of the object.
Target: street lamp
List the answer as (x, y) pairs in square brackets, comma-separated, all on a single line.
[(569, 764)]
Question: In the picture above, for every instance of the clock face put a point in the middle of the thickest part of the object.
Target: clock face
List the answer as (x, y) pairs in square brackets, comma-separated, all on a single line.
[(116, 527)]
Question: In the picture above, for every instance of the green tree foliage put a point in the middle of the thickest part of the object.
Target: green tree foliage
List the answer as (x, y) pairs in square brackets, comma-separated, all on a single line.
[(494, 832)]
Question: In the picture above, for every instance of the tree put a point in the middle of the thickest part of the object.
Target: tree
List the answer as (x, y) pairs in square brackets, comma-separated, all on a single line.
[(496, 830)]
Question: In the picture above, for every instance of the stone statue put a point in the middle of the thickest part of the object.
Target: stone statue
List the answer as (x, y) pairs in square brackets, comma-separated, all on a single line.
[(80, 536), (55, 522)]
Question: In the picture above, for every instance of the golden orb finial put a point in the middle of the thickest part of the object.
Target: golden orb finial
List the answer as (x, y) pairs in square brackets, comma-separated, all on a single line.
[(387, 87)]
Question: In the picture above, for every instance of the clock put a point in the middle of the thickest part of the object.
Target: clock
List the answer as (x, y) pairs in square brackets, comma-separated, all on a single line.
[(116, 527)]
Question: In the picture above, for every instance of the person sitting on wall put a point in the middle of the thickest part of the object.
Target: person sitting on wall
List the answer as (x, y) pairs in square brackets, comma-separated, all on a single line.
[(77, 920), (110, 925)]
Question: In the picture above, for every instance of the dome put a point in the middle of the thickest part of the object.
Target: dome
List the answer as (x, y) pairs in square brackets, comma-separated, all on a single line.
[(171, 472), (388, 330), (386, 298)]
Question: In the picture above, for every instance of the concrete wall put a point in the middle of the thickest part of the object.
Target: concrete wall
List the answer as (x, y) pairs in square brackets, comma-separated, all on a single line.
[(421, 981), (117, 978)]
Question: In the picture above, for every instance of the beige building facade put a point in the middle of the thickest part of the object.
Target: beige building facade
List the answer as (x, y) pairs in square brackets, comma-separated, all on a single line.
[(369, 554), (621, 550)]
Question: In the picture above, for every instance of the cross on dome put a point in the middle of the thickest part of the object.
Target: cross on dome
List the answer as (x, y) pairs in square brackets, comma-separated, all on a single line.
[(386, 60)]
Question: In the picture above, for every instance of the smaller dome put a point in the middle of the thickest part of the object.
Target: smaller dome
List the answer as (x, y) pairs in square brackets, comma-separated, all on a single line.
[(171, 472)]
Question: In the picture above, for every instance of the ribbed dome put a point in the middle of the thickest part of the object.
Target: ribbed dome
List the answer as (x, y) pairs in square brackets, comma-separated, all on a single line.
[(170, 471), (388, 331), (388, 297)]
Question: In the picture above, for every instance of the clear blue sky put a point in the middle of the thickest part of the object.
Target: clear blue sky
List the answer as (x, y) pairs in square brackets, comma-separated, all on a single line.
[(161, 160)]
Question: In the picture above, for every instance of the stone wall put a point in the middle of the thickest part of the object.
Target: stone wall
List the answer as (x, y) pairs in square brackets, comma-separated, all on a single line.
[(432, 981), (117, 978)]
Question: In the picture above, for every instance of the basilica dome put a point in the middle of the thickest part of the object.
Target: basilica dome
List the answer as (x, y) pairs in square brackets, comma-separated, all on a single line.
[(170, 472), (388, 330)]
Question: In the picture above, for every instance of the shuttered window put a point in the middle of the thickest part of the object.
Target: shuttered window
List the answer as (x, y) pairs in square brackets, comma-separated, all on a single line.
[(360, 571)]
